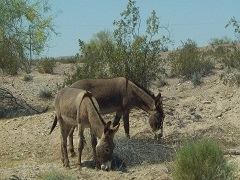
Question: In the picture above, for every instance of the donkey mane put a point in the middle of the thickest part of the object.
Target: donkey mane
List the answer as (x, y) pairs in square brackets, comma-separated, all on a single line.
[(150, 93), (88, 94)]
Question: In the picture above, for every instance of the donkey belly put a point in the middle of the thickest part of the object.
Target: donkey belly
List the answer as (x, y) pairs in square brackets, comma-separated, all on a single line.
[(70, 120), (109, 105)]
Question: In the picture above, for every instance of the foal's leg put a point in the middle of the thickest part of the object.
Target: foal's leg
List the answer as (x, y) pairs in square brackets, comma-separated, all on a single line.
[(117, 118), (70, 145), (80, 145), (94, 143), (64, 133)]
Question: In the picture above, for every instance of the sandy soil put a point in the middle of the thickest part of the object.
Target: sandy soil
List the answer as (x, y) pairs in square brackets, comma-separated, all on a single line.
[(27, 151)]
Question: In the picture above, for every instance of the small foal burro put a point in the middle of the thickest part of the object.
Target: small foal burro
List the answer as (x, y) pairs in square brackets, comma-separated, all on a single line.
[(76, 107)]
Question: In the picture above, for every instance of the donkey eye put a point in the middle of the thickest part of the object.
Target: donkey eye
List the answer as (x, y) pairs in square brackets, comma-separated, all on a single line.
[(107, 150)]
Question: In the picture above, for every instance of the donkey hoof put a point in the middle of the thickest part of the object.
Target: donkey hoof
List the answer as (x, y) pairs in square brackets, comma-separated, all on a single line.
[(127, 135)]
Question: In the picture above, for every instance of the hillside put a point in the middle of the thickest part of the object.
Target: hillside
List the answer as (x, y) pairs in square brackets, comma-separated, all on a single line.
[(209, 110)]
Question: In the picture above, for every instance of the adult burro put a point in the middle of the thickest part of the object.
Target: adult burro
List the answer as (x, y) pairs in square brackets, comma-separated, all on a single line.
[(120, 95), (76, 107)]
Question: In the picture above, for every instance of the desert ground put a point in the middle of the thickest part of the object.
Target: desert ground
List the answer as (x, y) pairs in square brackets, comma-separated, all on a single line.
[(28, 151)]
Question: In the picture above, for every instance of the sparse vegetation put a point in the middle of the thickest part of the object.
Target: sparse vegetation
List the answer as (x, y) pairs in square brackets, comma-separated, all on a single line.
[(189, 62), (45, 93), (202, 159), (28, 77), (57, 175), (46, 65), (221, 41)]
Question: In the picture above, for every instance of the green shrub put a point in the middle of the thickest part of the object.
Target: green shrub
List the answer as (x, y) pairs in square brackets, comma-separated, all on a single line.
[(229, 57), (125, 52), (220, 41), (54, 175), (46, 65), (189, 61), (27, 77), (196, 78), (45, 93), (84, 71), (202, 159)]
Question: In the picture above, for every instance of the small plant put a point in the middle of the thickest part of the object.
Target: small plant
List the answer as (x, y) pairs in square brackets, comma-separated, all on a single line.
[(46, 65), (202, 159), (196, 78), (54, 175), (28, 77), (45, 93)]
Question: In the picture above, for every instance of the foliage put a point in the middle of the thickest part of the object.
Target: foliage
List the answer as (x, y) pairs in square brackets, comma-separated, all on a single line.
[(220, 41), (235, 24), (27, 77), (136, 55), (190, 61), (46, 65), (55, 175), (25, 28), (126, 53), (45, 93), (229, 58), (202, 159)]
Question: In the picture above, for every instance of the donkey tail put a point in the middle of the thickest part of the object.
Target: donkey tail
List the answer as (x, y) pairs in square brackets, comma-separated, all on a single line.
[(54, 124)]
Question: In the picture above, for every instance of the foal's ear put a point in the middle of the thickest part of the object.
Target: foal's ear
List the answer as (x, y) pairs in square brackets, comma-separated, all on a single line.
[(107, 127), (113, 130), (158, 97)]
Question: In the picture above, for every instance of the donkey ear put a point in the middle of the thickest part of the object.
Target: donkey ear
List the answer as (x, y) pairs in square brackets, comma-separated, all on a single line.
[(158, 97), (107, 127), (114, 129)]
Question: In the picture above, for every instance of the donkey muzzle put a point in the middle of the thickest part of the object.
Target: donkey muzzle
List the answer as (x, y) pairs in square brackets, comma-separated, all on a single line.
[(158, 134), (106, 167)]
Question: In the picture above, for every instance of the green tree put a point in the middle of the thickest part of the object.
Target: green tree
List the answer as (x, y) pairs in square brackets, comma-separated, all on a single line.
[(25, 28), (137, 56), (126, 53)]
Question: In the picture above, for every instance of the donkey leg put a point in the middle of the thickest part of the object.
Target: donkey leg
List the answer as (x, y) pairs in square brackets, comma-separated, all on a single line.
[(64, 132), (70, 145), (126, 123), (94, 143), (80, 146), (117, 118)]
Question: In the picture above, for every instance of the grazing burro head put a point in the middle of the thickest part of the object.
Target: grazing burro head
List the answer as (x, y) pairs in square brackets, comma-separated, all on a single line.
[(105, 147), (76, 107), (157, 117)]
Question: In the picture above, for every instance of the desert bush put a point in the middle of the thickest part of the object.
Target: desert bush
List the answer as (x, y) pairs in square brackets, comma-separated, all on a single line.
[(230, 77), (220, 41), (229, 57), (202, 159), (56, 175), (126, 52), (45, 93), (46, 65), (196, 78), (28, 77), (189, 61), (86, 71)]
